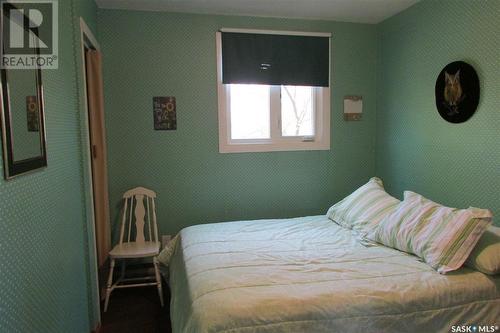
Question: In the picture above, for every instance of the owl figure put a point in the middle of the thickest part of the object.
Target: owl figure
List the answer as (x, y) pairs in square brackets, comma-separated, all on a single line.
[(452, 91)]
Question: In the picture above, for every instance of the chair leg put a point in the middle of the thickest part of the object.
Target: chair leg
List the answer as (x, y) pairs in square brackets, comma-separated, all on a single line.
[(158, 279), (110, 283)]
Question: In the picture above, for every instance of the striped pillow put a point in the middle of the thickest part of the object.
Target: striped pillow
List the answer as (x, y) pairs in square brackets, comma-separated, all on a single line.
[(364, 208), (443, 237)]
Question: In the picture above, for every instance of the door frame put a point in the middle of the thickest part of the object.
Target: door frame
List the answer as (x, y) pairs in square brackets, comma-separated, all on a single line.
[(88, 40)]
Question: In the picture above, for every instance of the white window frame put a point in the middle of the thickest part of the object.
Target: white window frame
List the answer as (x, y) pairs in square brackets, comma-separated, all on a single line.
[(277, 142)]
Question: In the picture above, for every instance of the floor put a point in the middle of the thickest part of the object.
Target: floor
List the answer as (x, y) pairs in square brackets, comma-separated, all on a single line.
[(136, 310)]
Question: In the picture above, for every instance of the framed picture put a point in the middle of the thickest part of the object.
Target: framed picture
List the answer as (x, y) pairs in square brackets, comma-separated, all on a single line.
[(164, 113), (457, 92), (32, 114)]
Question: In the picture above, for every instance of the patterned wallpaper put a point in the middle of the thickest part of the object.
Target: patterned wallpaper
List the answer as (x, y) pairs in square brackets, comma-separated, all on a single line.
[(150, 54), (43, 265), (454, 164)]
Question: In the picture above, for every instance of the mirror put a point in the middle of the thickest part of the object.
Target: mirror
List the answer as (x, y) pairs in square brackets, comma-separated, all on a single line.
[(23, 126)]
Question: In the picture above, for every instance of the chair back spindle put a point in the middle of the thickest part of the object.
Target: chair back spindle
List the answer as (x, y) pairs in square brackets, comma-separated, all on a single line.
[(149, 217), (139, 211), (154, 221)]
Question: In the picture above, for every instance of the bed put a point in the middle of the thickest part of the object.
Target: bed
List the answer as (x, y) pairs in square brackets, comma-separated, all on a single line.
[(310, 275)]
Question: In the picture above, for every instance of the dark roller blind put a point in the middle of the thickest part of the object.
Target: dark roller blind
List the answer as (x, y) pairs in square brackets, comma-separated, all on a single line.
[(275, 59)]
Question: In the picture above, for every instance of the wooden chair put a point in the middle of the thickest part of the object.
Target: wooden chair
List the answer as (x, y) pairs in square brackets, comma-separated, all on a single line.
[(140, 241)]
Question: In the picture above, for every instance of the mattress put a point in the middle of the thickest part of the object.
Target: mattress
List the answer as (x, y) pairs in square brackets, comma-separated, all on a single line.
[(310, 275)]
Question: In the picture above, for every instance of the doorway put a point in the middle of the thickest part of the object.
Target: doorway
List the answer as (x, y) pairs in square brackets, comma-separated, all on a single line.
[(95, 154)]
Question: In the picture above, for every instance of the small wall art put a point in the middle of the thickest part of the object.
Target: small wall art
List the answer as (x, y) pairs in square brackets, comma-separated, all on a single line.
[(32, 113), (353, 108), (164, 113), (457, 92)]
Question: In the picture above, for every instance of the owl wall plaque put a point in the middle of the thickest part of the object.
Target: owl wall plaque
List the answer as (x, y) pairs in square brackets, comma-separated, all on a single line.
[(457, 92)]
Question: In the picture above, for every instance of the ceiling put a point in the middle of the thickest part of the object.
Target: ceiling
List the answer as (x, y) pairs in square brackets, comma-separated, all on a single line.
[(361, 11)]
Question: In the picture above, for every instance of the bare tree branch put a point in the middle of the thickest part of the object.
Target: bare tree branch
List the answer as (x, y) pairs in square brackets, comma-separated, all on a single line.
[(299, 117)]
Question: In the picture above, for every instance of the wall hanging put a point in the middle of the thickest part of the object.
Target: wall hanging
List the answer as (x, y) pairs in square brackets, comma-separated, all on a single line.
[(457, 92), (164, 112), (353, 108), (22, 109), (32, 113)]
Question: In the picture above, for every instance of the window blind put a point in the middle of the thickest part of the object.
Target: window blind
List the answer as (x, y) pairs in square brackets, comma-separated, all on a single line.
[(274, 59)]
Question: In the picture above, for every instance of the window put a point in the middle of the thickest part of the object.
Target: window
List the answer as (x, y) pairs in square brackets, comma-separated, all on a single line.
[(257, 116)]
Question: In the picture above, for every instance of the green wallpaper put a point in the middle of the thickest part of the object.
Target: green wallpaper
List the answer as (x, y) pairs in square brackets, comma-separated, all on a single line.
[(454, 164), (43, 275), (150, 54)]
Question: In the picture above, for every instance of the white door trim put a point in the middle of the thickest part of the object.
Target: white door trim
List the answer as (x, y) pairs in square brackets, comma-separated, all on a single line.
[(88, 39)]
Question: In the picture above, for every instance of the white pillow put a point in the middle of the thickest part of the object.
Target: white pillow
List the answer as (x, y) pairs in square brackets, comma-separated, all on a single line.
[(363, 209), (443, 237)]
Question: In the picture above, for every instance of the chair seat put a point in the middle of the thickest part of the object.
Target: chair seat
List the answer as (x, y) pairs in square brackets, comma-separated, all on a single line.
[(135, 250)]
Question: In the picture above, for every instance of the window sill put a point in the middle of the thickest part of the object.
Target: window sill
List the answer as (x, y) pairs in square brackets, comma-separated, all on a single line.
[(268, 147)]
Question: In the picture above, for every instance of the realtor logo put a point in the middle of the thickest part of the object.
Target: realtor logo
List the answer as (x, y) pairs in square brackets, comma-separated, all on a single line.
[(29, 34)]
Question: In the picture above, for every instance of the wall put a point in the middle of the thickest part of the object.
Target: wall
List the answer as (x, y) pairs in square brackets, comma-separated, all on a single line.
[(454, 164), (43, 241), (150, 54)]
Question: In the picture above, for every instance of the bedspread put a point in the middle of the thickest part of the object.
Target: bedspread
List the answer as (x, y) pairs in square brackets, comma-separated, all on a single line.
[(310, 275)]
